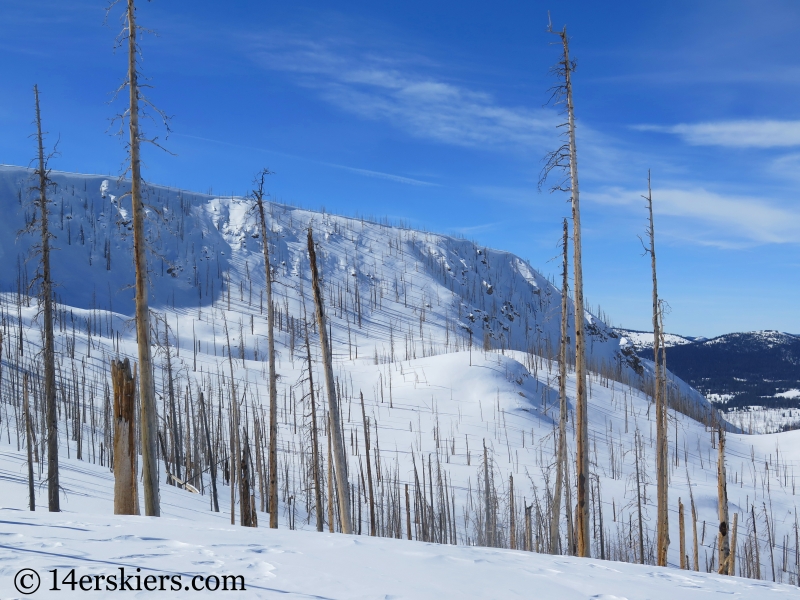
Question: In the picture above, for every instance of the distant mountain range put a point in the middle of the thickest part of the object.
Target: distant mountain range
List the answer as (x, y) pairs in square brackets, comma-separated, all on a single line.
[(735, 370)]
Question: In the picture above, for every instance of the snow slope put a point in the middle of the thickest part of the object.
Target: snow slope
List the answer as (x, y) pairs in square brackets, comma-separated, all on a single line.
[(421, 292), (301, 564)]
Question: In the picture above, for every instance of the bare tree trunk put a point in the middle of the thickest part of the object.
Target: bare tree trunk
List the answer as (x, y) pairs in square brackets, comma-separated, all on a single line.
[(148, 425), (732, 557), (258, 194), (662, 490), (682, 533), (49, 340), (372, 531), (723, 546), (639, 499), (330, 480), (408, 515), (566, 157), (176, 445), (211, 460), (339, 456), (249, 515), (561, 456), (487, 498), (28, 442), (235, 442), (314, 433), (126, 494), (512, 517), (695, 547)]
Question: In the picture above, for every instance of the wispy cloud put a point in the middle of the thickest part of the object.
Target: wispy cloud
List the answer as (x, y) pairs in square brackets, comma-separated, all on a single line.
[(787, 166), (712, 218), (758, 133), (380, 175), (364, 172), (398, 91)]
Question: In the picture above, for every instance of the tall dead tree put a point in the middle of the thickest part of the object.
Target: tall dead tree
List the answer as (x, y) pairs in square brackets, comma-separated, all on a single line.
[(723, 546), (682, 536), (148, 426), (235, 436), (561, 454), (259, 194), (247, 501), (339, 456), (211, 459), (662, 484), (126, 496), (51, 414), (372, 531), (314, 432), (565, 159), (28, 442)]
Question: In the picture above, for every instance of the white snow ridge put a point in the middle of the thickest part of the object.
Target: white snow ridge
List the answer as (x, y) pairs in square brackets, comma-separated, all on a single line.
[(453, 347)]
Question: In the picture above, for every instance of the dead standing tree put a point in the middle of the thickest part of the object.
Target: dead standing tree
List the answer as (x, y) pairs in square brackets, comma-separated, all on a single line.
[(565, 159), (259, 194), (662, 485), (561, 454), (136, 109), (314, 432), (46, 291), (126, 496), (335, 435), (726, 566)]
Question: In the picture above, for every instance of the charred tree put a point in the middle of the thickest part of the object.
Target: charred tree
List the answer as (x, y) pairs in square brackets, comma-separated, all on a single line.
[(51, 413), (565, 160), (126, 496), (148, 426), (339, 456), (561, 454), (259, 194), (662, 483)]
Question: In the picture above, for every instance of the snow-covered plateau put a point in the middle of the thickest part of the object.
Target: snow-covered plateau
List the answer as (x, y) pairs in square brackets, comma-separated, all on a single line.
[(452, 346)]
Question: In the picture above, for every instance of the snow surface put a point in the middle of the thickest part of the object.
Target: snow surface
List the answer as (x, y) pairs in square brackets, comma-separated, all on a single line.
[(189, 540)]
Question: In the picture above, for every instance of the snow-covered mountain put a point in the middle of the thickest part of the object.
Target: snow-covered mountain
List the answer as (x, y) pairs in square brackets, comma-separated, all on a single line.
[(394, 292), (643, 340), (451, 345)]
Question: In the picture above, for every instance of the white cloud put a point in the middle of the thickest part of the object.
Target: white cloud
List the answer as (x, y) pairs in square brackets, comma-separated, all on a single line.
[(379, 88), (712, 218), (761, 133)]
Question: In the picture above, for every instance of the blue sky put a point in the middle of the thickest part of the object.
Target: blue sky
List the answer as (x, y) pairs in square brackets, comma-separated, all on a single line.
[(435, 113)]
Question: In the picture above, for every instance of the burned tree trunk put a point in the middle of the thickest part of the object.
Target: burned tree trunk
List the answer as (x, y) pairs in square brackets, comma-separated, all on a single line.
[(28, 442), (662, 485), (211, 459), (561, 455), (723, 546), (339, 456), (148, 425), (249, 516), (314, 433), (369, 469), (51, 415), (565, 158), (126, 497), (272, 459)]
